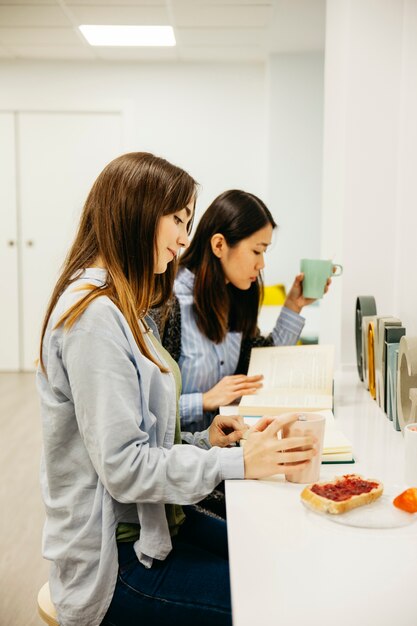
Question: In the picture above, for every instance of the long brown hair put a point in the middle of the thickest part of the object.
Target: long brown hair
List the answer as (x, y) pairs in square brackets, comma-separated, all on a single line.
[(119, 224), (218, 306)]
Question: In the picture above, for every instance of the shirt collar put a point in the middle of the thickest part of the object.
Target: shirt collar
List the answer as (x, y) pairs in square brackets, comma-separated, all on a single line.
[(184, 283), (94, 273)]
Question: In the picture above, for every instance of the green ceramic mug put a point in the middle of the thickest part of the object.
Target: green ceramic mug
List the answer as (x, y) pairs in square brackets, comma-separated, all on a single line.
[(316, 272)]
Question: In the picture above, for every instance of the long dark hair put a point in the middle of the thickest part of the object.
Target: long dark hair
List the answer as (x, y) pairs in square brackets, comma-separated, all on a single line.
[(219, 307), (119, 224)]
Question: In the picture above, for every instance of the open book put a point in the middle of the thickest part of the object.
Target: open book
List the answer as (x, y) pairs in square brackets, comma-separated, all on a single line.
[(336, 446), (296, 378)]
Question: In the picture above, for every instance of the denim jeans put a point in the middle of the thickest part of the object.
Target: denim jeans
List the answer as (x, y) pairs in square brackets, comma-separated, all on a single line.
[(190, 587)]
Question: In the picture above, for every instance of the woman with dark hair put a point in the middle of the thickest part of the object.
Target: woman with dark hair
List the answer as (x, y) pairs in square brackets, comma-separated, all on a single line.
[(210, 325), (123, 549)]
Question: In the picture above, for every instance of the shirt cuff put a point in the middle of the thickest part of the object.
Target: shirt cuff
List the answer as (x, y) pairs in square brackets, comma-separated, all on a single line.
[(288, 327), (201, 440), (191, 408), (231, 463)]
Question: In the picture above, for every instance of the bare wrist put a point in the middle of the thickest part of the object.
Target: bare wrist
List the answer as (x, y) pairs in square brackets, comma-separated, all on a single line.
[(209, 435), (206, 402), (290, 304)]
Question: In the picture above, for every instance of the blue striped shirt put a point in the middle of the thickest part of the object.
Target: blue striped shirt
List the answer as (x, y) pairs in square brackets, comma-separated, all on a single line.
[(204, 363)]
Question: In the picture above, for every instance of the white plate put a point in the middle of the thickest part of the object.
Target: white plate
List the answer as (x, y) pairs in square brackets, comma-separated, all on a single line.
[(379, 514)]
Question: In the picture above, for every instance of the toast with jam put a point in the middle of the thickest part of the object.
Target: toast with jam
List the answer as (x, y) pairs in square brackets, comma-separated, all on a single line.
[(341, 494)]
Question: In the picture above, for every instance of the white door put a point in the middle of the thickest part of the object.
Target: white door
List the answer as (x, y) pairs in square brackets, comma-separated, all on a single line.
[(9, 326), (59, 157)]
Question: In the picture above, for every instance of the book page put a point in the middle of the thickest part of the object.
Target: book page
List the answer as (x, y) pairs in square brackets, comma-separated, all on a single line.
[(293, 400), (335, 441), (307, 369)]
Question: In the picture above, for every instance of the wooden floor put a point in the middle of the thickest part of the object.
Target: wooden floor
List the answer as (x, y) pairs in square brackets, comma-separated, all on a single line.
[(22, 569)]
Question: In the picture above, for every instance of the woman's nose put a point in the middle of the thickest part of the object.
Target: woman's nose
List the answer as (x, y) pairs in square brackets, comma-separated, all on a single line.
[(184, 239), (261, 263)]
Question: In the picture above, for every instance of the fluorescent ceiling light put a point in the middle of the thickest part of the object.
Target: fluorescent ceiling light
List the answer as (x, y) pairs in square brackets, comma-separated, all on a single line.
[(103, 35)]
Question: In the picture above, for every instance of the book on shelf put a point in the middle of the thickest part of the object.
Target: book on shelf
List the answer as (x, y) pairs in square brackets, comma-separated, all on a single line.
[(295, 378), (392, 346), (383, 323), (336, 446)]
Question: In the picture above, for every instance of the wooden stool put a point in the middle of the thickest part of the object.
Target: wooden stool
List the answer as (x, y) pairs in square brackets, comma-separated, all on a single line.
[(45, 607)]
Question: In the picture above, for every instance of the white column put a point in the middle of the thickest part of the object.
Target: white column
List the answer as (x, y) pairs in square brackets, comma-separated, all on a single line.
[(405, 287), (364, 114)]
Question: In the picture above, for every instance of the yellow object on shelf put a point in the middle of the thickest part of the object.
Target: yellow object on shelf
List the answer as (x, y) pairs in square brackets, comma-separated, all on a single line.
[(274, 295), (371, 360)]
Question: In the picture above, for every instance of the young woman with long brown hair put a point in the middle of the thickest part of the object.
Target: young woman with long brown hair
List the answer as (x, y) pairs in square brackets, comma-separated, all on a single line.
[(210, 326), (114, 475)]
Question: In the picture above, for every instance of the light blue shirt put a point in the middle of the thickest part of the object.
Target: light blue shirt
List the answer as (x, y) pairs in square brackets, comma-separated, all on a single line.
[(108, 421), (204, 363)]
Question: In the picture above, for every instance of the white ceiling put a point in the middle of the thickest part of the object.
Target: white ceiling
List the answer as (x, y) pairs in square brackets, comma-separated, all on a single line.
[(205, 30)]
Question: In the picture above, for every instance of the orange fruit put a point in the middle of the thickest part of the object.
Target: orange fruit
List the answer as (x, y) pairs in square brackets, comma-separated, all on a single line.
[(407, 500)]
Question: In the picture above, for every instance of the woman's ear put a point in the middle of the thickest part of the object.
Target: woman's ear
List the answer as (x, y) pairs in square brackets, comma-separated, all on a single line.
[(218, 245)]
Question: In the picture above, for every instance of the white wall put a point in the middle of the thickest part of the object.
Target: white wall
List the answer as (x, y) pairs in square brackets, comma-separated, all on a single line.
[(229, 125), (238, 125), (295, 141), (369, 191), (207, 118), (405, 286)]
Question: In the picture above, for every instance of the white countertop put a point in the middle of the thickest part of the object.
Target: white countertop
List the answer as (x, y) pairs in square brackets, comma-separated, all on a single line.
[(290, 566)]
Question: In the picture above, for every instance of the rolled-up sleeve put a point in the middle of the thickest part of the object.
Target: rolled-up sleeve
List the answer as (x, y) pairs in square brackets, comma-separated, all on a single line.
[(288, 327), (191, 408)]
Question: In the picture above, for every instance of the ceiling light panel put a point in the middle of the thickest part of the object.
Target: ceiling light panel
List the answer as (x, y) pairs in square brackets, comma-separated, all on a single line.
[(128, 35)]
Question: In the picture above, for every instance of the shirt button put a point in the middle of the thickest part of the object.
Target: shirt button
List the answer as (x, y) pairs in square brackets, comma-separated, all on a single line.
[(221, 362)]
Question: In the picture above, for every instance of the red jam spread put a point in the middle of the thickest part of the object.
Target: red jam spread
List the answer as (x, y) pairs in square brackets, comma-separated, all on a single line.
[(344, 489)]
